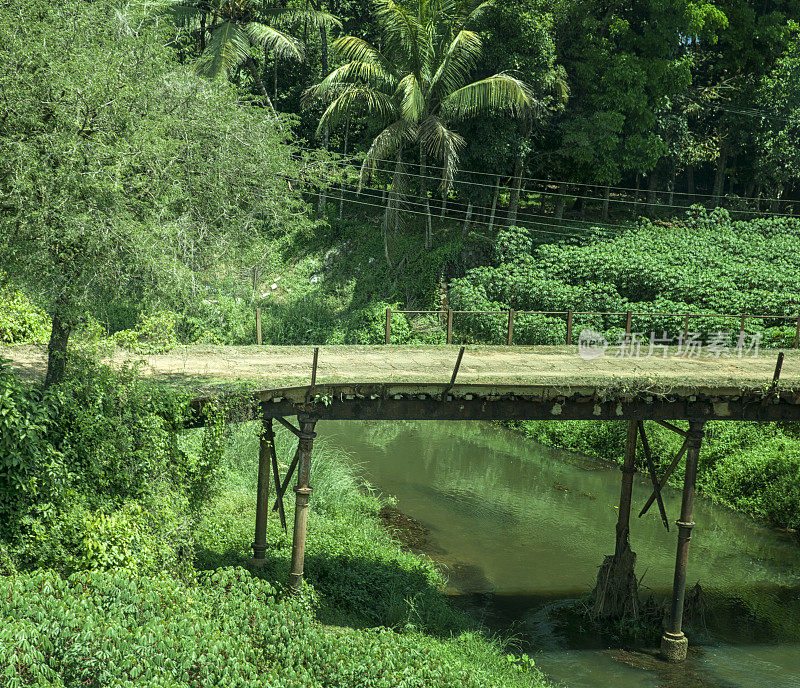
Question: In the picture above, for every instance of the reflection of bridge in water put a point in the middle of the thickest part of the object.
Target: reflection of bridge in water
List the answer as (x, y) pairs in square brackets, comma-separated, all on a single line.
[(503, 383)]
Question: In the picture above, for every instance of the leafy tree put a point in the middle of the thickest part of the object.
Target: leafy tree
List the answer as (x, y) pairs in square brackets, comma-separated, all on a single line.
[(237, 25), (120, 172), (416, 86)]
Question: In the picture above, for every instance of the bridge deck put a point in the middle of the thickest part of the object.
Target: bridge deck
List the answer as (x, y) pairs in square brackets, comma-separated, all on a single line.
[(492, 382)]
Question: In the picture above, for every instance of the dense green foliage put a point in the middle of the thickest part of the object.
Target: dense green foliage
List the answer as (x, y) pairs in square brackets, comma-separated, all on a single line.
[(119, 534), (706, 264)]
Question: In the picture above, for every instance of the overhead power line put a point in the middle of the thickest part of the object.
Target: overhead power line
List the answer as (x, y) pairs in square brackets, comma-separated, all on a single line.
[(358, 158)]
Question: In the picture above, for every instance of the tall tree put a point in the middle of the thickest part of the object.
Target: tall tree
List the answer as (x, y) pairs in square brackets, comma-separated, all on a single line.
[(237, 25), (120, 171), (416, 86)]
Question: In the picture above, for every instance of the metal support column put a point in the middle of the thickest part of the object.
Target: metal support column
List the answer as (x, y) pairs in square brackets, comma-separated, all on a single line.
[(674, 644), (303, 493), (266, 443), (628, 469)]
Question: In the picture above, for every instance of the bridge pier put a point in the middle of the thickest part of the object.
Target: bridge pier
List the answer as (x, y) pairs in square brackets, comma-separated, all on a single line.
[(265, 450), (302, 495), (674, 644)]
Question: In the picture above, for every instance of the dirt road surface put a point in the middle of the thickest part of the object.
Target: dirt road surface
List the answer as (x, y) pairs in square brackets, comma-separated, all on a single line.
[(209, 367)]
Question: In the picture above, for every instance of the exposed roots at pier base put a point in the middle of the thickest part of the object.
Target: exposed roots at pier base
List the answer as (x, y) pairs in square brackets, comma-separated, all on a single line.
[(616, 595)]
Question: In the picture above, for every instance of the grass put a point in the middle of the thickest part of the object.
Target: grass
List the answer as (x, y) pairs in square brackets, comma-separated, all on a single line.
[(363, 588)]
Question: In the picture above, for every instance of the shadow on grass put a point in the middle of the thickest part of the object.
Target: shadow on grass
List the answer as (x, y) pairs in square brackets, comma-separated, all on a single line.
[(357, 592)]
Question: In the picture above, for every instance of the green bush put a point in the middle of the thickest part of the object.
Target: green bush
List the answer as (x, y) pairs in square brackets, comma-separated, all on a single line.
[(708, 263), (108, 484), (154, 333), (228, 628), (20, 321)]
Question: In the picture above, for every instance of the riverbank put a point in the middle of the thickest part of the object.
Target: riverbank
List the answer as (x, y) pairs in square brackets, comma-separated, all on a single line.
[(753, 468), (154, 587)]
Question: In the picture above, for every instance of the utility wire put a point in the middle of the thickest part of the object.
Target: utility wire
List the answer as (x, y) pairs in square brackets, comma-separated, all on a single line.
[(420, 202), (356, 158), (556, 194)]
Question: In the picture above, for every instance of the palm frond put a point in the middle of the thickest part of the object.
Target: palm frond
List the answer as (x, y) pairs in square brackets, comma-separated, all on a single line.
[(384, 144), (227, 48), (412, 99), (281, 44), (352, 49), (356, 73), (402, 30), (498, 93), (443, 144), (292, 15), (459, 61), (354, 99)]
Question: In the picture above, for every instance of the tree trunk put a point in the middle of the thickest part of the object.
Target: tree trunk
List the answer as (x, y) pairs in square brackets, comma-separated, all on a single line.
[(57, 348), (385, 227), (719, 175), (606, 197), (468, 220), (516, 187), (494, 204), (251, 65), (561, 200), (652, 185), (423, 194), (341, 183), (672, 187), (774, 204), (323, 36), (444, 205)]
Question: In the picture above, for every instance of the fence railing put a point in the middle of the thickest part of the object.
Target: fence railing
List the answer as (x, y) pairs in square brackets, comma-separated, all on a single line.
[(569, 315)]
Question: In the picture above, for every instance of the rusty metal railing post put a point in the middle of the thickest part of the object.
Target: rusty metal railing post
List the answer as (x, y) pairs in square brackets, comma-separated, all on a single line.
[(266, 442), (569, 327), (449, 325), (388, 329), (302, 495), (628, 469), (674, 644), (628, 323), (510, 339)]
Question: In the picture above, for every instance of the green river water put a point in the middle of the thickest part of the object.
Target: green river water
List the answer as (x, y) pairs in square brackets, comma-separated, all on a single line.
[(521, 528)]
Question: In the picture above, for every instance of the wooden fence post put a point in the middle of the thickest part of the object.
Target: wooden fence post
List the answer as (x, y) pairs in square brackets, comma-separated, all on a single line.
[(258, 326), (388, 325), (569, 327), (449, 325), (741, 327), (797, 334), (510, 327), (629, 323), (686, 328)]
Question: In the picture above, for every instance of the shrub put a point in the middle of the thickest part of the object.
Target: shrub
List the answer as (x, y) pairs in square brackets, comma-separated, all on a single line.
[(20, 321)]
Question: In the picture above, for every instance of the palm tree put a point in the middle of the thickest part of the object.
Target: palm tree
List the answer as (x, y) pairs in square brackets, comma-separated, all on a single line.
[(416, 86), (237, 25)]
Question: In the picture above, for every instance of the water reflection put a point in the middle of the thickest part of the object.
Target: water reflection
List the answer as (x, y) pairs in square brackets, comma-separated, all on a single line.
[(524, 526)]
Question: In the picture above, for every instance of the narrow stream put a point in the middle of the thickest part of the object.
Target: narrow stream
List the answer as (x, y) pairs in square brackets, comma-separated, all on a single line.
[(521, 527)]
